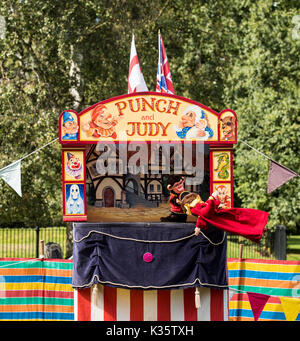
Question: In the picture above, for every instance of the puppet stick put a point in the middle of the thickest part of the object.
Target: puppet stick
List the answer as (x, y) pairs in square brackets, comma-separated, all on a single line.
[(241, 251), (42, 249)]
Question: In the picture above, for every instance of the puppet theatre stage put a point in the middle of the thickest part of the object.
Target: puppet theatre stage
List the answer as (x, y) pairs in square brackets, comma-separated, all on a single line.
[(148, 271)]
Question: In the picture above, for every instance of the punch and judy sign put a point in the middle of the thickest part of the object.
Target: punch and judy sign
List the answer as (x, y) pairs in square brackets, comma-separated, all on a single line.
[(147, 117)]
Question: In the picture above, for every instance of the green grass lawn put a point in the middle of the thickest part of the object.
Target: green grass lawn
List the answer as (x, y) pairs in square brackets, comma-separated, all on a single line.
[(21, 242), (249, 249), (293, 248)]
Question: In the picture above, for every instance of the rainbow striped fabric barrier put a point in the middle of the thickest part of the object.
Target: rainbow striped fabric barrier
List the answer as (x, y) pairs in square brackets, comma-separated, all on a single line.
[(269, 277), (41, 290), (33, 289)]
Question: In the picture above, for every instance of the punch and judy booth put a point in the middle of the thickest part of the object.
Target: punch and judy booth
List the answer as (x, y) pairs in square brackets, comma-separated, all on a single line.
[(116, 158)]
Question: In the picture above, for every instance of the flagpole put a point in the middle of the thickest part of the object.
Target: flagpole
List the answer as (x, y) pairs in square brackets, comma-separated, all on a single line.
[(159, 57)]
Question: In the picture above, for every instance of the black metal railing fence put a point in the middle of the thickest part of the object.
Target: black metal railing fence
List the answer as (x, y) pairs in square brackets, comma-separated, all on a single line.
[(22, 242)]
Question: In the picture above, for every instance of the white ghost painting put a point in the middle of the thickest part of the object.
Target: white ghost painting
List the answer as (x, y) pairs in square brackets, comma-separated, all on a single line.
[(75, 203)]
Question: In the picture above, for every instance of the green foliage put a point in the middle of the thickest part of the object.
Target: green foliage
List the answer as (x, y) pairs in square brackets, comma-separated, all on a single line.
[(263, 88), (225, 54)]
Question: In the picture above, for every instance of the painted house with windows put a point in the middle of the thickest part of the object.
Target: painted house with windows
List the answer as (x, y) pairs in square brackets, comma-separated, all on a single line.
[(108, 187)]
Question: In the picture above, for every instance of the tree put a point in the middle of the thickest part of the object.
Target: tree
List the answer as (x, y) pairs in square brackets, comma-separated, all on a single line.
[(69, 55), (263, 88)]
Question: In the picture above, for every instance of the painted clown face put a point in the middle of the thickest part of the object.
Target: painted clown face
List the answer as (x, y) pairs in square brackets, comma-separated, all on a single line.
[(74, 163), (222, 193)]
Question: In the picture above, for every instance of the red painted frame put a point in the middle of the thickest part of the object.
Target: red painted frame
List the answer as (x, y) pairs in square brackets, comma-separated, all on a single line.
[(73, 217)]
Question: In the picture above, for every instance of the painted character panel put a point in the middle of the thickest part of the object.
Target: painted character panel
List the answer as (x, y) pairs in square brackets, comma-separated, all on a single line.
[(193, 124), (75, 199), (221, 161), (73, 161), (224, 194), (69, 126), (227, 127)]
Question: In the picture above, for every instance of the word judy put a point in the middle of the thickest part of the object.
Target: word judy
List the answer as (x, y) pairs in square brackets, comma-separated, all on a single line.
[(147, 129)]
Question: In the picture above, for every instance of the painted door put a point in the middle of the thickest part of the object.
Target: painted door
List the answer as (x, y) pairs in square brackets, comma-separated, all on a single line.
[(109, 197)]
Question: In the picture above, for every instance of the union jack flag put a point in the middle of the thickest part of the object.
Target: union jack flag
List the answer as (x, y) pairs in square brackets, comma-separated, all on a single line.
[(164, 82)]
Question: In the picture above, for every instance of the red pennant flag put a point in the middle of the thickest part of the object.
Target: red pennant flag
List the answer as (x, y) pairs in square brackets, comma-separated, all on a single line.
[(257, 302), (278, 175)]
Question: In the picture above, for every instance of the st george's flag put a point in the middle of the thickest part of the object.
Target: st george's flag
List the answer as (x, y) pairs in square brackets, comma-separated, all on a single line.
[(164, 82), (136, 82)]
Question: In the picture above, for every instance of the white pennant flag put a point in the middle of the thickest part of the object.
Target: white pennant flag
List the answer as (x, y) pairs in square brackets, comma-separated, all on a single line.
[(11, 174)]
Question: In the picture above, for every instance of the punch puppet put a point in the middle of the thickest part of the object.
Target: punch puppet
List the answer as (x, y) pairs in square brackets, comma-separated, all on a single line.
[(175, 185)]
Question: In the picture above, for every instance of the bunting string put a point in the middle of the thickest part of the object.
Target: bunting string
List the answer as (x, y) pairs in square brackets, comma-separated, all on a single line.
[(278, 174), (290, 305), (26, 156), (266, 156), (11, 173), (252, 283)]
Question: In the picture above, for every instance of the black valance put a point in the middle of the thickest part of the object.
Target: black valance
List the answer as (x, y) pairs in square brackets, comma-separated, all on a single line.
[(148, 256)]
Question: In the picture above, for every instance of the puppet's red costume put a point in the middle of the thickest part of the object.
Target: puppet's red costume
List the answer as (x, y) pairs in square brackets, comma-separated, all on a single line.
[(247, 222)]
